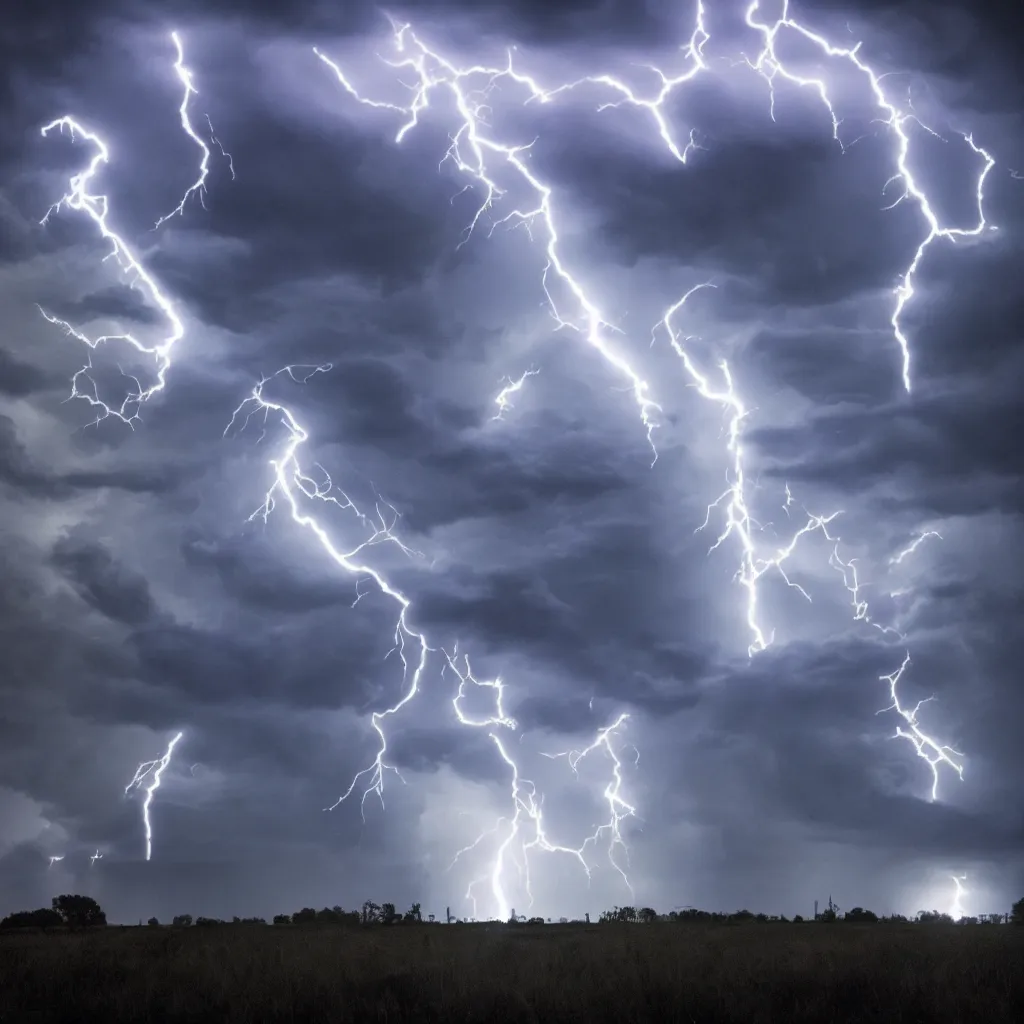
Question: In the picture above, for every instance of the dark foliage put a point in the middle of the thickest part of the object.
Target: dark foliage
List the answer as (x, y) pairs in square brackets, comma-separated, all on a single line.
[(42, 918), (79, 911)]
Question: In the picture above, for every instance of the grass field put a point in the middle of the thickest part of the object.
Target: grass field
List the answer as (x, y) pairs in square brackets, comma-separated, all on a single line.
[(657, 972)]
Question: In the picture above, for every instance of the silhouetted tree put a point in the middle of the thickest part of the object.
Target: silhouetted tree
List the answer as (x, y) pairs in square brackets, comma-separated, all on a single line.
[(371, 912), (282, 919), (619, 915), (79, 911), (413, 913), (182, 921), (153, 923), (307, 915), (647, 915), (1017, 912), (860, 915), (42, 918), (388, 914)]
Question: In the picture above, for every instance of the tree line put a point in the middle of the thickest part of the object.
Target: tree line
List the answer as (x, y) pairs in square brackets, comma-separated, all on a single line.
[(81, 912)]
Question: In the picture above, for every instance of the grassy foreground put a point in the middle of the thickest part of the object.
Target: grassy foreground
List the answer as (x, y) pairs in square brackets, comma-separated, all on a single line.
[(489, 973)]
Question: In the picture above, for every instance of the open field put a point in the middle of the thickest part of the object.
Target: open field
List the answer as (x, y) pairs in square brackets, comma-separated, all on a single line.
[(659, 972)]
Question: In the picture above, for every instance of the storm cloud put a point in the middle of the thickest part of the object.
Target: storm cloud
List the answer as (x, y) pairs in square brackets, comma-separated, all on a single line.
[(145, 591)]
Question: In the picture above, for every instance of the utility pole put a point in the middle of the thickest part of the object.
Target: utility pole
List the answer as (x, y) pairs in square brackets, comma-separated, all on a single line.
[(815, 910), (448, 914)]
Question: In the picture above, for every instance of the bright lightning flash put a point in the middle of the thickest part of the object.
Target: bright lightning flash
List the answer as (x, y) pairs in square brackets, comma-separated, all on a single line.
[(484, 160), (292, 483), (81, 199), (474, 152), (198, 187), (295, 487), (493, 167), (901, 123), (957, 911), (150, 773), (95, 857), (933, 752), (913, 546), (56, 860), (525, 830), (738, 520), (503, 400)]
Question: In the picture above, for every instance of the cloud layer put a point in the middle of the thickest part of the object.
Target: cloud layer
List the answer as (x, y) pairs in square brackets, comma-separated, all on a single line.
[(139, 598)]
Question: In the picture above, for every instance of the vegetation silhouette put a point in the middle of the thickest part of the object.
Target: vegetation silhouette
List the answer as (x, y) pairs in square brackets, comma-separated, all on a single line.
[(74, 912), (64, 963)]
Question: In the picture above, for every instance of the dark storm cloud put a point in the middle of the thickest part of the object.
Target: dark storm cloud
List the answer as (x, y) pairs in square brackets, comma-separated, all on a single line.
[(18, 379), (16, 467), (22, 473), (122, 303), (261, 582), (139, 599), (110, 588), (961, 456)]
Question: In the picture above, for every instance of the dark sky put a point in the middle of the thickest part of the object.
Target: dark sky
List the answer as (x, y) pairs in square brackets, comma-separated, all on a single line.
[(138, 598)]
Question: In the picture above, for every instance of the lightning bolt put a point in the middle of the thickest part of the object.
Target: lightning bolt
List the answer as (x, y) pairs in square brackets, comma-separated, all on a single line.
[(95, 857), (503, 400), (527, 817), (472, 151), (294, 487), (151, 771), (486, 163), (290, 481), (81, 199), (956, 911), (930, 750), (198, 187), (734, 500), (900, 122), (55, 860), (913, 546), (483, 160)]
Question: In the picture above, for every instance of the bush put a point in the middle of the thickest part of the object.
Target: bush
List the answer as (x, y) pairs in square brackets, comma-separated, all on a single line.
[(79, 911)]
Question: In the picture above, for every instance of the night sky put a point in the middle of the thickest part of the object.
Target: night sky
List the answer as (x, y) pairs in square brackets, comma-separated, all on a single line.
[(137, 598)]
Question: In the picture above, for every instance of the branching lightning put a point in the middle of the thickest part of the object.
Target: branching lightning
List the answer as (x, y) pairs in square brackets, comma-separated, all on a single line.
[(493, 167), (290, 481), (930, 750), (482, 159), (93, 857), (738, 520), (770, 66), (527, 817), (473, 151), (198, 187), (147, 776), (81, 199), (503, 400), (293, 485), (55, 860), (96, 207)]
